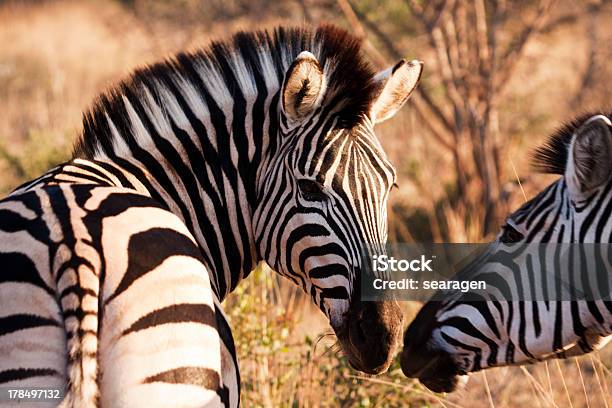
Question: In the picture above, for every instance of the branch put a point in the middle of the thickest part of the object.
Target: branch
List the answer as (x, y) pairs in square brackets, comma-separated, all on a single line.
[(437, 111), (416, 10), (380, 35), (347, 9), (428, 21), (384, 39), (353, 20), (434, 132), (482, 38), (516, 49), (571, 18), (305, 11), (431, 23), (437, 12), (452, 39), (460, 25), (587, 77)]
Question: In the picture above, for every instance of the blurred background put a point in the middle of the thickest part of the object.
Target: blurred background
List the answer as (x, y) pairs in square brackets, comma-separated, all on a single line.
[(500, 76)]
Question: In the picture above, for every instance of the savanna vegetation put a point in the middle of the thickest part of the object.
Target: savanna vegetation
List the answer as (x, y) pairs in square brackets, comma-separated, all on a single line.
[(500, 75)]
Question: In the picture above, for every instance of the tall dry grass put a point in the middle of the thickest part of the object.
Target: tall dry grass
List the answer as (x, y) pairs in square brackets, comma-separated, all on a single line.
[(56, 56), (289, 359)]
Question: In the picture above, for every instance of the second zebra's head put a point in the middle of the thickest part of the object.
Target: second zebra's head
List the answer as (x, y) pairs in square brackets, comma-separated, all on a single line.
[(458, 334), (322, 197)]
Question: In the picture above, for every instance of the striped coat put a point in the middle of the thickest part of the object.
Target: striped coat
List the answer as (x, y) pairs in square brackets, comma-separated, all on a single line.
[(549, 273), (187, 174)]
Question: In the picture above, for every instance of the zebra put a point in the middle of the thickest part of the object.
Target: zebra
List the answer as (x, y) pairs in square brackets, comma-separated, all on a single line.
[(453, 334), (187, 174)]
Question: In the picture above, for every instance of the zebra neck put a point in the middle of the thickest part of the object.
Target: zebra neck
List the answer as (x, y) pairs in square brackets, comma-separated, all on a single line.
[(200, 155)]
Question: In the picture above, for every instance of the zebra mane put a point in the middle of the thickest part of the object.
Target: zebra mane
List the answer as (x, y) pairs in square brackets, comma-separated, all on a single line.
[(551, 158), (239, 65)]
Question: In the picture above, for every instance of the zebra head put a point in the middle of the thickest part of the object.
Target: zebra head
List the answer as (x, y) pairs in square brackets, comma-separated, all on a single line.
[(323, 195), (453, 336)]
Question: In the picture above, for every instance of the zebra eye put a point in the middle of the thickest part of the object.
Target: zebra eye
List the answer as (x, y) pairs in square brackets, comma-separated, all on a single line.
[(510, 235), (311, 190)]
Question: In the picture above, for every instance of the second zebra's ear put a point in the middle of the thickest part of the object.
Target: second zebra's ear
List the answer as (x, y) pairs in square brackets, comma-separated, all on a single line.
[(304, 87), (395, 86), (589, 162)]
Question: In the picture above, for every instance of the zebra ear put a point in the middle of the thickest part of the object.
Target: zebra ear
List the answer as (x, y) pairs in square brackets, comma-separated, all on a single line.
[(395, 86), (304, 87), (589, 163)]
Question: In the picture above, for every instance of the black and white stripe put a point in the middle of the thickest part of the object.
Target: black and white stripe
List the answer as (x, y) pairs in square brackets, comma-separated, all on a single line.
[(186, 176), (545, 299)]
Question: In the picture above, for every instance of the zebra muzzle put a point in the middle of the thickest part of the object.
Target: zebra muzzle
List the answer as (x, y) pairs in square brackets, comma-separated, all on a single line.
[(435, 369), (371, 335)]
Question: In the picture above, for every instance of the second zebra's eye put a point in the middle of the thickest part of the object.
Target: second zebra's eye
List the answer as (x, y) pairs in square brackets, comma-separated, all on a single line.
[(510, 235), (311, 190)]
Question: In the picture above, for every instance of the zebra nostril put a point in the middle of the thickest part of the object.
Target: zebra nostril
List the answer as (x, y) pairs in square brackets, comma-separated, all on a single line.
[(358, 332), (373, 335), (370, 326)]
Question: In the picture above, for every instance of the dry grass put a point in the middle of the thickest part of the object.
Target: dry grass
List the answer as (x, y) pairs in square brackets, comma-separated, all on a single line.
[(287, 359), (56, 56)]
